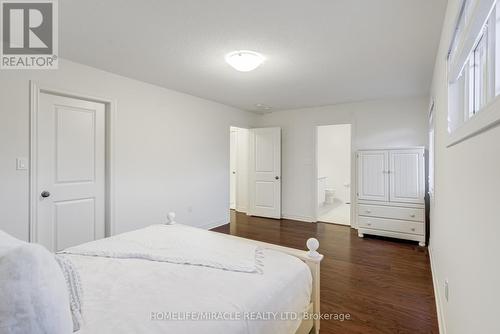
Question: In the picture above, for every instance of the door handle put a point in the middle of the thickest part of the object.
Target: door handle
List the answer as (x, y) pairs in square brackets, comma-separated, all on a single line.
[(45, 194), (276, 177)]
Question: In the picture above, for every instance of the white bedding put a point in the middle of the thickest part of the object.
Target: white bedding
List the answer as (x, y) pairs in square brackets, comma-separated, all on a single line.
[(121, 295), (177, 244)]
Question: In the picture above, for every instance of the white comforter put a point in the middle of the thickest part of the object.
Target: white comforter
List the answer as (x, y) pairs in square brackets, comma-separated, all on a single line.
[(123, 295), (177, 243)]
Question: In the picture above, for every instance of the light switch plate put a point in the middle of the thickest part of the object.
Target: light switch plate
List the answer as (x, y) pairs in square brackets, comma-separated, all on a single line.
[(22, 164)]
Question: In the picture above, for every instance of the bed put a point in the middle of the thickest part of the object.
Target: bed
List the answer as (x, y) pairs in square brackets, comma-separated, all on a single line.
[(133, 286)]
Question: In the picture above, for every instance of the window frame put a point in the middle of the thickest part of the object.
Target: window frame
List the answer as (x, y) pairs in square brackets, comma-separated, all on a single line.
[(480, 102), (432, 149)]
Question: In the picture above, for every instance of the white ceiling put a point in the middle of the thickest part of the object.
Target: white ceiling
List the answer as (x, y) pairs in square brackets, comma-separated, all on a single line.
[(318, 52)]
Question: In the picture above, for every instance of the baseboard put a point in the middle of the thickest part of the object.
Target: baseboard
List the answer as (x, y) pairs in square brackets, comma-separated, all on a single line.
[(210, 226), (439, 308), (242, 209), (299, 218)]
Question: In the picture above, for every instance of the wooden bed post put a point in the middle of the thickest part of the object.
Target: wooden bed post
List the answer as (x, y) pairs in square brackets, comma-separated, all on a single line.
[(313, 261), (170, 218)]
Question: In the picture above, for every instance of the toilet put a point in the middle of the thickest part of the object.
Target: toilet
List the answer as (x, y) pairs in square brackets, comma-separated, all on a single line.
[(329, 195)]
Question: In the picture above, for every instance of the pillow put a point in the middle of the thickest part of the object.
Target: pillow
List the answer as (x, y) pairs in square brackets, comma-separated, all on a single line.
[(33, 294), (7, 243)]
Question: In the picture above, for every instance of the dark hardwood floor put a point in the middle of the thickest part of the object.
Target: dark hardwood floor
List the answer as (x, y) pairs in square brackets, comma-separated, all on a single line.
[(384, 284)]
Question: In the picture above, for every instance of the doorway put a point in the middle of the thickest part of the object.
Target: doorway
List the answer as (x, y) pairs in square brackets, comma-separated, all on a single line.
[(255, 171), (238, 169), (334, 174), (71, 168)]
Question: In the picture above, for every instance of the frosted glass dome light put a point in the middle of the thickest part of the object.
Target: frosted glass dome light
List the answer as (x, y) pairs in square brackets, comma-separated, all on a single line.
[(244, 61)]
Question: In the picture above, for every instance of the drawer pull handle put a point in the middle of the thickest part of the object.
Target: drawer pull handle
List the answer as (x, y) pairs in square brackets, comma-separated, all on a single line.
[(412, 215), (368, 211), (413, 229), (369, 224)]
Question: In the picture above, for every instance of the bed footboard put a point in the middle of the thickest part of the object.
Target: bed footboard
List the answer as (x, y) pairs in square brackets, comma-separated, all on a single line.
[(313, 260)]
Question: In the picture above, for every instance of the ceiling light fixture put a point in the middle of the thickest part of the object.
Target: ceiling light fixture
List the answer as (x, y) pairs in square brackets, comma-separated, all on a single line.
[(244, 60)]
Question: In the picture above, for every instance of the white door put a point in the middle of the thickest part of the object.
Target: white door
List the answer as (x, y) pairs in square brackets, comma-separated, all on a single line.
[(233, 144), (70, 171), (407, 176), (373, 181), (265, 172)]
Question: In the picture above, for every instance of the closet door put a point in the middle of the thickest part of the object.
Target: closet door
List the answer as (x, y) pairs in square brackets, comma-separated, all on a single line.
[(407, 176), (373, 181)]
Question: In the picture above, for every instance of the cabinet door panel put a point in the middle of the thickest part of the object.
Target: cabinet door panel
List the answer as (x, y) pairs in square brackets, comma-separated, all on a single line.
[(373, 183), (407, 176)]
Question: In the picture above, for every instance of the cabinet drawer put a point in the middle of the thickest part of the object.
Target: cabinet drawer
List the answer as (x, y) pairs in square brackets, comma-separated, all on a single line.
[(392, 212), (391, 225)]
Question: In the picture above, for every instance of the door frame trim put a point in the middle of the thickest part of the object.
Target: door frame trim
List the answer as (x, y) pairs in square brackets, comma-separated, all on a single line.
[(353, 221), (110, 119)]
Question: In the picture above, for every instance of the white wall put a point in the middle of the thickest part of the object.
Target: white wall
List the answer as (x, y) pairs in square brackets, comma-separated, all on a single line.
[(172, 149), (382, 123), (465, 224), (334, 158)]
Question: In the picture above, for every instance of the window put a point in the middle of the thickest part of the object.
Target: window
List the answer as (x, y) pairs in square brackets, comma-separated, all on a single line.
[(480, 74), (473, 62)]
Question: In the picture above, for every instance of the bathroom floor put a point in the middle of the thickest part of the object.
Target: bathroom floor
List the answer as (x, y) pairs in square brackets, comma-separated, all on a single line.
[(337, 213)]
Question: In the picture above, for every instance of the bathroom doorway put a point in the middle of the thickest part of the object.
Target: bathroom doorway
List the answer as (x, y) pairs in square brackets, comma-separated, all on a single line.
[(334, 173)]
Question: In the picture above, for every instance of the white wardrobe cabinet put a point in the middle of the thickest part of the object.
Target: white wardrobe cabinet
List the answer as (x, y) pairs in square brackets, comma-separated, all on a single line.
[(391, 193), (373, 176)]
